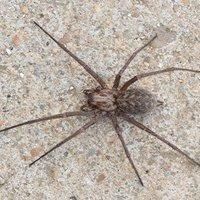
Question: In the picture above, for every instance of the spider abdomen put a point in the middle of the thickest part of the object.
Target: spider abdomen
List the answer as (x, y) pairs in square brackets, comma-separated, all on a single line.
[(137, 101)]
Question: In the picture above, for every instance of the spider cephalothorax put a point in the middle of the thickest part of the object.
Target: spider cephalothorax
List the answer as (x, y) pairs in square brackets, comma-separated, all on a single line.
[(102, 99), (112, 103)]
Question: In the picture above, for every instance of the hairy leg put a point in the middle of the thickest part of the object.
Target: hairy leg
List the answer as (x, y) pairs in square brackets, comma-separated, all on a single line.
[(82, 63), (141, 126), (119, 133), (62, 115), (79, 131), (118, 76), (140, 76)]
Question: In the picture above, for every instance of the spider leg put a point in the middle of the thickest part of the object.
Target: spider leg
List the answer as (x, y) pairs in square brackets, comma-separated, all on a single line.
[(82, 63), (57, 116), (141, 126), (140, 76), (79, 131), (118, 76), (119, 133)]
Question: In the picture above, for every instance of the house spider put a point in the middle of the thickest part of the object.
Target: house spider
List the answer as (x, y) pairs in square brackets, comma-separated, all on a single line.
[(112, 103)]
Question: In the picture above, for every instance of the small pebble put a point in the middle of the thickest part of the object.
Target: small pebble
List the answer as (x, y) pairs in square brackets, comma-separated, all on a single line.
[(100, 178), (71, 88), (16, 40), (8, 51), (21, 75), (2, 123), (146, 64), (36, 151), (53, 172), (66, 153), (185, 1), (24, 9)]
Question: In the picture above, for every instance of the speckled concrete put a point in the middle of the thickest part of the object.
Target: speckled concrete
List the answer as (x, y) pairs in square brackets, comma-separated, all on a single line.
[(37, 79)]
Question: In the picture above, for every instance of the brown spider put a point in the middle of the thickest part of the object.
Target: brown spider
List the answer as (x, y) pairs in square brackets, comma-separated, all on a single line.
[(113, 102)]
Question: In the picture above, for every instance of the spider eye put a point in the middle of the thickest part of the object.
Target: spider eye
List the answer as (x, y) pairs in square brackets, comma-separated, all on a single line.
[(86, 92)]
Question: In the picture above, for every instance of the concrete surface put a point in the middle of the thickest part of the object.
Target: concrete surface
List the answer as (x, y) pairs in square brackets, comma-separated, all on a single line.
[(37, 79)]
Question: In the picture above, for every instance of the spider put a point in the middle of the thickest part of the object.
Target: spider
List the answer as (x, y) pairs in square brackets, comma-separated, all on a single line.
[(112, 102)]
